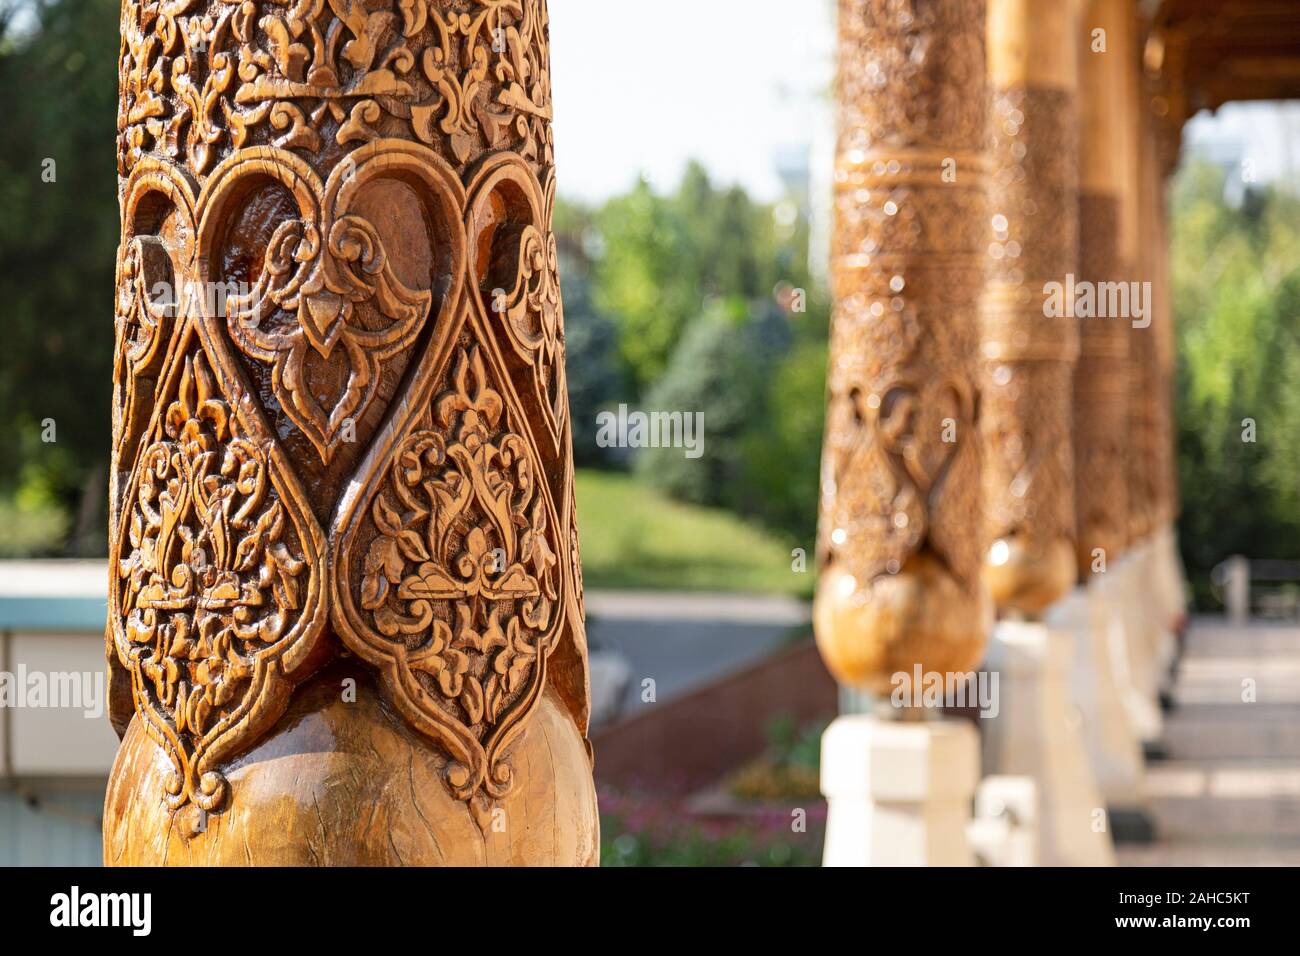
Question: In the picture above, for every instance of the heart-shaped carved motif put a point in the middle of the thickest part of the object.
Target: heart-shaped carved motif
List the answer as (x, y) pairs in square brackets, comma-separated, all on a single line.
[(217, 591), (451, 568), (336, 285), (513, 258)]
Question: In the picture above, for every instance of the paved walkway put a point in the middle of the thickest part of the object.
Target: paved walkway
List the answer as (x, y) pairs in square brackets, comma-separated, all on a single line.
[(686, 640), (1229, 792)]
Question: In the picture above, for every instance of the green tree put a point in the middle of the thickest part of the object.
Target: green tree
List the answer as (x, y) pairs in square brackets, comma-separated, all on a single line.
[(645, 279), (664, 257), (58, 236), (717, 370), (1236, 285), (594, 370)]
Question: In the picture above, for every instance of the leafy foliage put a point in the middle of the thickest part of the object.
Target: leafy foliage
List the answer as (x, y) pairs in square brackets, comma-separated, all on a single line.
[(1236, 283), (789, 769), (57, 245), (712, 310), (663, 257), (718, 371), (595, 370)]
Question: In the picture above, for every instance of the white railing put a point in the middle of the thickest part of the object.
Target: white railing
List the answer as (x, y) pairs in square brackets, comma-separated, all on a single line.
[(1257, 586)]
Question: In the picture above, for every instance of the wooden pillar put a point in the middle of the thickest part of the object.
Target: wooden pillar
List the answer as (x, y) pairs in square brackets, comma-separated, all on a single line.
[(1028, 333), (1101, 377), (346, 618), (1140, 162), (1146, 460), (900, 471), (1165, 110), (1163, 465)]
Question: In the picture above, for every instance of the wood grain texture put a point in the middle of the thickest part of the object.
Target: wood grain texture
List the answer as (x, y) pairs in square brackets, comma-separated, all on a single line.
[(350, 784)]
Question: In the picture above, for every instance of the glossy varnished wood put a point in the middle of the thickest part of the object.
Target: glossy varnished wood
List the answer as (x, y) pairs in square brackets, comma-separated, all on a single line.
[(342, 440)]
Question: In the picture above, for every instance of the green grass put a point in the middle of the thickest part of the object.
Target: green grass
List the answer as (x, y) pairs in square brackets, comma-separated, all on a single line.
[(634, 537), (29, 528)]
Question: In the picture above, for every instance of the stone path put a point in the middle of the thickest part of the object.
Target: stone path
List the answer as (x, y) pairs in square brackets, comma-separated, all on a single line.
[(686, 640), (1229, 792)]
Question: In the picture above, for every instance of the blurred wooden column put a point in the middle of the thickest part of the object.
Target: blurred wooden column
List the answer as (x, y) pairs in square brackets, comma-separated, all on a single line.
[(1166, 108), (1094, 612), (1138, 203), (1028, 342), (1028, 346), (1135, 577), (1105, 255), (898, 543), (900, 585), (899, 548)]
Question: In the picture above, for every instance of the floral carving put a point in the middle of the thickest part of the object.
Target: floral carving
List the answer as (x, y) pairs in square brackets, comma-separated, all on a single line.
[(457, 63), (362, 181), (463, 573), (317, 286), (212, 586), (143, 324), (521, 294), (165, 52), (299, 73)]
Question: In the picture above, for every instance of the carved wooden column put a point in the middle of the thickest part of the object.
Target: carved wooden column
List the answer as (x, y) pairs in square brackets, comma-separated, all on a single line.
[(900, 589), (346, 619), (1028, 339), (899, 542), (1029, 342), (1168, 104), (1142, 446), (1136, 576), (1101, 401), (1163, 134), (1101, 375)]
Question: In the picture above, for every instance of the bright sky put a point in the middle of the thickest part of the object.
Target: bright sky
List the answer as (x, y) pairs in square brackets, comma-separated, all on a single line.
[(1266, 134), (643, 87)]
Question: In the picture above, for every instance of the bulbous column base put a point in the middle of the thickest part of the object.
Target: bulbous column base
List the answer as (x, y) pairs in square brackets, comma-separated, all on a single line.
[(345, 783), (1026, 579), (921, 615)]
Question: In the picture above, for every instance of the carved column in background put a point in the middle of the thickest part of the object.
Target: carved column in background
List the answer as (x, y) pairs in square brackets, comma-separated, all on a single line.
[(1101, 376), (899, 542), (346, 621), (1028, 355), (1165, 106), (1144, 463), (1163, 134), (1141, 445)]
